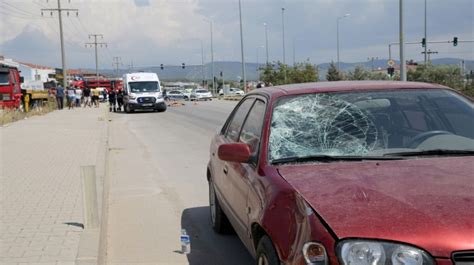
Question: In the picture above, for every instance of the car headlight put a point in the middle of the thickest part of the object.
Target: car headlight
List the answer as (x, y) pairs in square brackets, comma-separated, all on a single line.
[(314, 254), (160, 96), (132, 97), (368, 252)]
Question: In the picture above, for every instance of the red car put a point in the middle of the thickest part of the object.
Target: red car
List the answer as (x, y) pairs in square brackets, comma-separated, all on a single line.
[(353, 173)]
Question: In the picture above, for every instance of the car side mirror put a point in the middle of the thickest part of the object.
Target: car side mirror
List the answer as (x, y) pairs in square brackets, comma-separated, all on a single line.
[(235, 152)]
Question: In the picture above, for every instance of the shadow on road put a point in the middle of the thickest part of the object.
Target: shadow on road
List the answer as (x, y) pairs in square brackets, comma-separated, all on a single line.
[(208, 247)]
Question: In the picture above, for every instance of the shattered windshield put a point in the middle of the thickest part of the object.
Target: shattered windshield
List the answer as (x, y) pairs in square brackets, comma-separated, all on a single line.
[(370, 123)]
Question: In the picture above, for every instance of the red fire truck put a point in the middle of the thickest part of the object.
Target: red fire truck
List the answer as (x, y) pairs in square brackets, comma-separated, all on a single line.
[(12, 95), (108, 84), (10, 86)]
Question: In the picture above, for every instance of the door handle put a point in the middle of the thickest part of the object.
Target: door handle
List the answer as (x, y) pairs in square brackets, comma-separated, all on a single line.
[(226, 169)]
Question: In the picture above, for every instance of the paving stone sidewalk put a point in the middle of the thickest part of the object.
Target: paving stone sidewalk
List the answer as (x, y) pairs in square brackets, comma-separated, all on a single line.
[(40, 185)]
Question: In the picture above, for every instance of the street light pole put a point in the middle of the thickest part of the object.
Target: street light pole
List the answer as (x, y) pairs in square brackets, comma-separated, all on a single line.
[(337, 33), (266, 40), (258, 64), (283, 29), (212, 57), (426, 40), (202, 64), (403, 74), (242, 48)]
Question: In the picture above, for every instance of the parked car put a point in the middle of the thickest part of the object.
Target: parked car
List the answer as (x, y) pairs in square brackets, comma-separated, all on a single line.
[(201, 94), (367, 173), (187, 93), (175, 95), (232, 92)]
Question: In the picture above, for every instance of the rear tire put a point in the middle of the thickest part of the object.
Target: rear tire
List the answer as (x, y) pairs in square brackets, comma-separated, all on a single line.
[(220, 223), (266, 253)]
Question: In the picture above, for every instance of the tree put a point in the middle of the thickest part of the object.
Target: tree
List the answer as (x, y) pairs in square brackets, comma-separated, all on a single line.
[(359, 73), (448, 75), (333, 73), (280, 73)]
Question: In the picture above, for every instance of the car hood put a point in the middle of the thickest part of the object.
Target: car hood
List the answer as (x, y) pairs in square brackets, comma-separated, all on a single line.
[(425, 202)]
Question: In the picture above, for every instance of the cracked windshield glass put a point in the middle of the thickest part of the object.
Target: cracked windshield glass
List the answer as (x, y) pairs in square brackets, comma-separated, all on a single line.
[(237, 132)]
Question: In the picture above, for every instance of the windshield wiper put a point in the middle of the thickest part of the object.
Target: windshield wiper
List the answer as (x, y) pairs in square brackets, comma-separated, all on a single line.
[(433, 152), (328, 158)]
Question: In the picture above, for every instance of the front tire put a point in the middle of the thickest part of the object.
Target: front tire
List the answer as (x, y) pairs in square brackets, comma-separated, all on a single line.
[(266, 253), (127, 108), (220, 223)]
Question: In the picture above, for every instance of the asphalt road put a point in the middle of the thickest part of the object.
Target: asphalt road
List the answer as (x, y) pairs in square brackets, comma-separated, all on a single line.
[(157, 166)]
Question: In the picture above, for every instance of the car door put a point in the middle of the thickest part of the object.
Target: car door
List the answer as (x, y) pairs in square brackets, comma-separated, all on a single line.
[(224, 182), (245, 175), (242, 175)]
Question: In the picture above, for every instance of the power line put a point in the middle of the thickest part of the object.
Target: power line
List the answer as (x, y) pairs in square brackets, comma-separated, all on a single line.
[(17, 10)]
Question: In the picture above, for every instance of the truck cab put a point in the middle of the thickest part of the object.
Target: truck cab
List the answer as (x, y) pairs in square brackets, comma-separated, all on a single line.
[(10, 87), (142, 91)]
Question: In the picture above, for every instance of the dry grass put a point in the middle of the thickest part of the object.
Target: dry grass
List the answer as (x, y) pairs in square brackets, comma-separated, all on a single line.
[(12, 115)]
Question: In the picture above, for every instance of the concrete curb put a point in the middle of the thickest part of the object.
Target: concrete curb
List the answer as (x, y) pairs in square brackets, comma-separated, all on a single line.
[(102, 247), (93, 241), (233, 98)]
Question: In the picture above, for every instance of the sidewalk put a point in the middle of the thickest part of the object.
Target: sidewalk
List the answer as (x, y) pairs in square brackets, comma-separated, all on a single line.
[(40, 187)]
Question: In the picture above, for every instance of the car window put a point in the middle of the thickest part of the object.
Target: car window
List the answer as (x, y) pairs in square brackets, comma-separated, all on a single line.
[(252, 129), (233, 130)]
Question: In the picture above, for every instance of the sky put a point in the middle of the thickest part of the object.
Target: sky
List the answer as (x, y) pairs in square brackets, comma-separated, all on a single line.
[(170, 32)]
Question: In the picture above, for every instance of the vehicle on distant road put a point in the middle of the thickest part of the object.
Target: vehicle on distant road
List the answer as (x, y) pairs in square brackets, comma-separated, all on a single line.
[(175, 95), (201, 94), (142, 91), (366, 173), (232, 92)]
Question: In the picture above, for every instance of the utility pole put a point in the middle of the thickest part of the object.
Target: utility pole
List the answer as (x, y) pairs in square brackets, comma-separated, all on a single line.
[(283, 29), (429, 53), (202, 64), (242, 48), (372, 59), (266, 40), (117, 61), (63, 52), (294, 52), (426, 40), (95, 44), (212, 61), (403, 66)]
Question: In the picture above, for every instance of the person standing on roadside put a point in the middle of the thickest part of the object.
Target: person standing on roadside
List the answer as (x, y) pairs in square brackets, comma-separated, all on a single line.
[(78, 97), (112, 100), (71, 96), (60, 96), (87, 96), (119, 100), (95, 97)]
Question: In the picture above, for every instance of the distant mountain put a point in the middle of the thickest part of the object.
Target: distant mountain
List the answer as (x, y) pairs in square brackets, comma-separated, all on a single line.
[(232, 70)]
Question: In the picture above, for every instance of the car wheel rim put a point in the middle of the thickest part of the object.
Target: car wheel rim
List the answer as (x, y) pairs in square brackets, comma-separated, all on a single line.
[(262, 260), (212, 203)]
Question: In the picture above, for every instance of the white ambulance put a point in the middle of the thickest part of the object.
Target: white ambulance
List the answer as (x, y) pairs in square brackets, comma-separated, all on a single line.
[(142, 91)]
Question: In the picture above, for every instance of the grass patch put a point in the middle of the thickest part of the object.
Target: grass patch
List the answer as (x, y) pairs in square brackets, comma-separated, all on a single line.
[(12, 115)]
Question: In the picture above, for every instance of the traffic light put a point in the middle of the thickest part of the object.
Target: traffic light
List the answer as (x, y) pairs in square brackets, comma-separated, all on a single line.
[(183, 65), (455, 41), (162, 67), (390, 71), (423, 42)]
